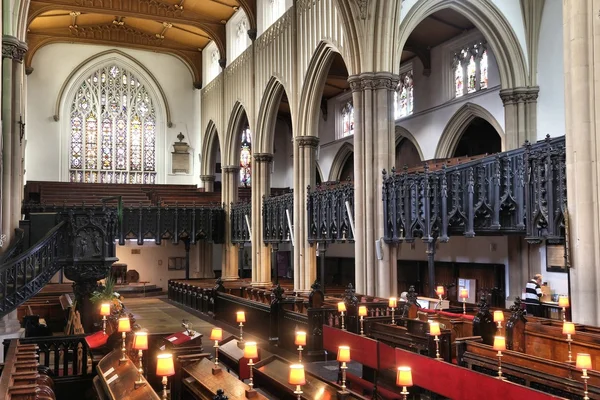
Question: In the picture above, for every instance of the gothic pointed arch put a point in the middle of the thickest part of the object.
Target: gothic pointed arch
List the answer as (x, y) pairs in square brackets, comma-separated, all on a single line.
[(238, 119), (210, 147), (457, 125), (113, 123), (339, 161), (404, 134), (489, 20), (267, 116)]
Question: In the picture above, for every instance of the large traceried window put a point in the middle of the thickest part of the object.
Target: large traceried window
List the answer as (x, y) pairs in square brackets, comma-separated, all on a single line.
[(246, 157), (113, 129), (403, 97), (347, 119), (470, 69)]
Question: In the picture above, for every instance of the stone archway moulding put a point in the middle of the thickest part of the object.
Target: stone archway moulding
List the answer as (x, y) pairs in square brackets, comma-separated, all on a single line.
[(101, 58), (232, 145), (457, 125), (490, 21), (267, 116), (339, 161), (210, 145), (404, 134)]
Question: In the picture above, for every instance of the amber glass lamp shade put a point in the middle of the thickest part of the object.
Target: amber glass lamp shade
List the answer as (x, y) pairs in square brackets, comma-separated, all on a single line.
[(434, 329), (440, 291), (563, 301), (251, 350), (216, 334), (568, 328), (498, 316), (297, 376), (140, 341), (343, 354), (124, 325), (341, 307), (164, 365), (300, 338), (362, 311), (464, 294), (584, 361), (499, 343), (404, 377), (240, 316), (105, 309), (393, 302)]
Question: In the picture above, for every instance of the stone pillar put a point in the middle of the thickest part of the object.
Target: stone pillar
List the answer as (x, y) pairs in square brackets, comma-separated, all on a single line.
[(229, 195), (581, 31), (208, 182), (374, 150), (13, 51), (520, 116), (261, 186), (305, 255)]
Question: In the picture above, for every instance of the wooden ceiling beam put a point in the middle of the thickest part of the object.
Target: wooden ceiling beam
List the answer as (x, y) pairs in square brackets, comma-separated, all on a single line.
[(138, 9)]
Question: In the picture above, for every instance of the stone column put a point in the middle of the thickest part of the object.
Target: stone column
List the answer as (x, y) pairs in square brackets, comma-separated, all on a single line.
[(581, 31), (261, 186), (208, 182), (13, 51), (374, 150), (229, 195), (520, 116), (305, 255)]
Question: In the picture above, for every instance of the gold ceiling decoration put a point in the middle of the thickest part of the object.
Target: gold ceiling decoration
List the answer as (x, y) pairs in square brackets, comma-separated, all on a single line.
[(178, 27)]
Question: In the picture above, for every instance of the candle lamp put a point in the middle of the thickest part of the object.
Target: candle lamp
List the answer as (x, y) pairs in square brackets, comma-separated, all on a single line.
[(165, 368), (498, 318), (251, 353), (404, 379), (217, 335), (563, 302), (362, 312), (393, 304), (464, 295), (140, 343), (500, 346), (105, 312), (584, 362), (240, 317), (434, 330), (569, 329), (124, 327), (297, 378), (300, 341), (342, 309), (440, 292), (343, 356)]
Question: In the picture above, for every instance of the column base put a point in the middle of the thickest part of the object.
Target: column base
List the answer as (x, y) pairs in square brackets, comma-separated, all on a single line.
[(261, 284), (229, 278)]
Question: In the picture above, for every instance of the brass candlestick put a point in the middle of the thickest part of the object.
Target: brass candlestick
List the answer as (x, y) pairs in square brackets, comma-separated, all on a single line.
[(140, 381), (569, 340), (344, 367), (500, 366), (342, 315), (437, 348)]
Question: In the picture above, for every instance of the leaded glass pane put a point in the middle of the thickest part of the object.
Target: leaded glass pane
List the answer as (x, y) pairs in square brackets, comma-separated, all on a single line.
[(113, 128), (483, 67), (403, 98), (471, 71), (246, 158), (348, 119), (458, 79)]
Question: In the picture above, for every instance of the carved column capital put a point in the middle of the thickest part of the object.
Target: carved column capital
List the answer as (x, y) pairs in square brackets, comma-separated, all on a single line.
[(307, 141), (13, 48), (263, 157), (207, 178), (373, 81), (231, 169), (519, 95)]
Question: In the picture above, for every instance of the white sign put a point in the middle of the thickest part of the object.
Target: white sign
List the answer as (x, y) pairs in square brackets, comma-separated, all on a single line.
[(108, 372), (112, 379)]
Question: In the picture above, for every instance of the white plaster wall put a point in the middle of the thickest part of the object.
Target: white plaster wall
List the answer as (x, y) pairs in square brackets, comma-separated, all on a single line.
[(43, 152), (550, 73), (210, 70)]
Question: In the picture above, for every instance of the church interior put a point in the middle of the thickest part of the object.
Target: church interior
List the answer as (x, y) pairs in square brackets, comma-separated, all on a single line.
[(299, 199)]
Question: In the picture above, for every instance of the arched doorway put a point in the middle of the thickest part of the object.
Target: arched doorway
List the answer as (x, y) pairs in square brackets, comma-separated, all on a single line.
[(407, 154)]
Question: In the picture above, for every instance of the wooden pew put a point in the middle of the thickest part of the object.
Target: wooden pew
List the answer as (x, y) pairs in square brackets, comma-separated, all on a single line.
[(199, 383), (549, 376)]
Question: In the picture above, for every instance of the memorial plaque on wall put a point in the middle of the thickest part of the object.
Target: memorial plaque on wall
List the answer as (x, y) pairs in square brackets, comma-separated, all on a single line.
[(555, 258)]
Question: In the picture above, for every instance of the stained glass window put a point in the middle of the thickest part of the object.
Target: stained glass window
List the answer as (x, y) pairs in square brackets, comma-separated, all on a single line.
[(470, 69), (246, 157), (348, 119), (403, 97), (113, 129)]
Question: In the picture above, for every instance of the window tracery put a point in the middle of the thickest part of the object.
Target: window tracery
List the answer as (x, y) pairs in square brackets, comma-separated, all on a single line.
[(403, 96), (348, 119), (113, 129), (246, 157), (470, 69)]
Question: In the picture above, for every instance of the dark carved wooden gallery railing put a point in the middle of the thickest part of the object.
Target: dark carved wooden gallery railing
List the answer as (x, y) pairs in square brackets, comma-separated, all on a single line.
[(239, 227), (276, 228), (519, 191), (327, 213)]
